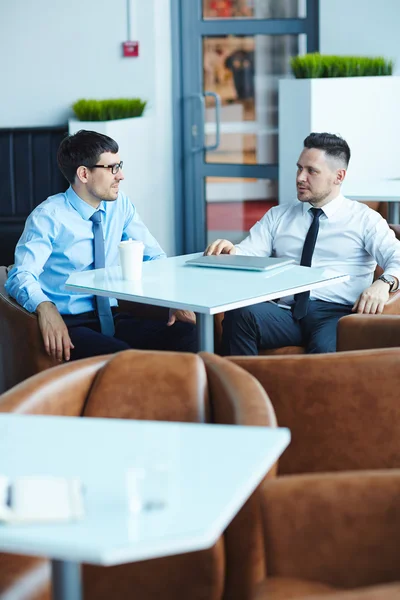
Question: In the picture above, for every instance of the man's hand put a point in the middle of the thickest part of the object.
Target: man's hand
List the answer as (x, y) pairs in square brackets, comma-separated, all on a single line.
[(54, 331), (373, 299), (220, 247), (186, 316)]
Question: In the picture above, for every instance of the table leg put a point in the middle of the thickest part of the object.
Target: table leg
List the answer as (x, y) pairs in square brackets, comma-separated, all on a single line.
[(66, 580), (205, 332), (393, 213)]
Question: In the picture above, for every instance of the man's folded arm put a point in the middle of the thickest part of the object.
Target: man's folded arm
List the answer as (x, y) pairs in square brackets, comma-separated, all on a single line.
[(31, 254)]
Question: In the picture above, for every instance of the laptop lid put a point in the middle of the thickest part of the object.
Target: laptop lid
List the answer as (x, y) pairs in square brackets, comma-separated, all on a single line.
[(233, 261)]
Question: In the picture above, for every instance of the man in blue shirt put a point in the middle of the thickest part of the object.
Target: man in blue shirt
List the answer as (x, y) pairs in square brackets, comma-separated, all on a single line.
[(59, 238)]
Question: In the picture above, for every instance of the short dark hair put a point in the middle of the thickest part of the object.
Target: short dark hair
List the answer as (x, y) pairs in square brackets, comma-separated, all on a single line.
[(82, 148), (333, 145)]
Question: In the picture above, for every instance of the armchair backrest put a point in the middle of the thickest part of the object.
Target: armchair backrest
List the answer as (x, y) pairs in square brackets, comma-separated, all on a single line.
[(158, 386), (134, 384), (342, 409)]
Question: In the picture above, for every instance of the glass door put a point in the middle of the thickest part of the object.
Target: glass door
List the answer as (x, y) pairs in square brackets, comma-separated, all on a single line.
[(233, 54)]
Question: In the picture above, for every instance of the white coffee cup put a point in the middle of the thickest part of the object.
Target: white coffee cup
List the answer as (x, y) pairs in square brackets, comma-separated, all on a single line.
[(131, 259)]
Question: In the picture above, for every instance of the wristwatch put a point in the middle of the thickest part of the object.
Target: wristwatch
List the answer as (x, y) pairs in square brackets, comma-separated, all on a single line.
[(391, 281)]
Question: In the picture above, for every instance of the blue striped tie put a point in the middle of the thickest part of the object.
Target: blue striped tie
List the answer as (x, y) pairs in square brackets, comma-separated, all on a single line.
[(301, 306), (103, 304)]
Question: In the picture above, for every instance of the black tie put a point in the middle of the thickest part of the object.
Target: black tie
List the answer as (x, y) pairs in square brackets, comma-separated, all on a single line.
[(103, 304), (301, 305)]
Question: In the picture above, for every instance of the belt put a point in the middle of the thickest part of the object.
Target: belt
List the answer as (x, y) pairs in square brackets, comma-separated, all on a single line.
[(91, 314)]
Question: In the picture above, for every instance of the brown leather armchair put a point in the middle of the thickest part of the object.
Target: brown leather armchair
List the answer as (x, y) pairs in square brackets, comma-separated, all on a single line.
[(342, 409), (331, 532), (158, 386), (22, 352), (391, 308), (343, 413)]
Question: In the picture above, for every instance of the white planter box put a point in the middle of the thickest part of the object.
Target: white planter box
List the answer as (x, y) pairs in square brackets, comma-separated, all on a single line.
[(363, 110), (135, 138)]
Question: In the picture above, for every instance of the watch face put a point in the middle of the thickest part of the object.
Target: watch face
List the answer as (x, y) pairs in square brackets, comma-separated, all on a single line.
[(388, 279)]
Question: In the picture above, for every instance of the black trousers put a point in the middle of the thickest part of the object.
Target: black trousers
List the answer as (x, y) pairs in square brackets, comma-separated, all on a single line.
[(130, 332), (267, 326)]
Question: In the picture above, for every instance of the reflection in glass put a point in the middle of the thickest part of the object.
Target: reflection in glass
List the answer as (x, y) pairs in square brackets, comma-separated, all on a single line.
[(254, 9), (234, 205), (244, 72)]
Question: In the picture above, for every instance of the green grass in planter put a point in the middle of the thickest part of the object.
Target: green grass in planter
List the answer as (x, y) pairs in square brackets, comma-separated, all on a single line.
[(108, 110), (312, 66)]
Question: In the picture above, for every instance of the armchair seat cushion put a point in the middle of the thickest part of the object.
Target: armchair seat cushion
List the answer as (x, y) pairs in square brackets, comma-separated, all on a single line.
[(389, 591), (288, 588), (282, 588)]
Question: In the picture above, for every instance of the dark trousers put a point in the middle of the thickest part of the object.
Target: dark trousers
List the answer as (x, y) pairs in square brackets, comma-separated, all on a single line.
[(130, 332), (267, 326)]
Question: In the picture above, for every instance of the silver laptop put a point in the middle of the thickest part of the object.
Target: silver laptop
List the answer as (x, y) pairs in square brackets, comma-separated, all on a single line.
[(232, 261)]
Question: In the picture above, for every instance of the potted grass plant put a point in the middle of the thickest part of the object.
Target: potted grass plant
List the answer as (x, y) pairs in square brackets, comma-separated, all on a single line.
[(132, 127), (108, 110), (353, 96), (115, 117)]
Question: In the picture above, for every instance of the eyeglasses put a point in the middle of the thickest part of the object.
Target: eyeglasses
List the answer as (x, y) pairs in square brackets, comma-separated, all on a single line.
[(114, 168)]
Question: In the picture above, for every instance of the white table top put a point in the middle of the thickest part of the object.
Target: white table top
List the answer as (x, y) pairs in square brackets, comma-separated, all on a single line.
[(172, 283), (381, 190), (212, 470)]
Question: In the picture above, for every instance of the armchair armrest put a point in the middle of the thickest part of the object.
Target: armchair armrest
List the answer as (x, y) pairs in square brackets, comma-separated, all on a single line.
[(339, 529), (22, 352), (60, 391), (392, 306), (362, 332)]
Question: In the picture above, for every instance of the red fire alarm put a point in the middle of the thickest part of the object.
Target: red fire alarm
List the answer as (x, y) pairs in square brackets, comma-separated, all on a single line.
[(130, 48)]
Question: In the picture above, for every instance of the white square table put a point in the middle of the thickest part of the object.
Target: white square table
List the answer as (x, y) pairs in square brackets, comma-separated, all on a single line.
[(212, 470), (207, 291)]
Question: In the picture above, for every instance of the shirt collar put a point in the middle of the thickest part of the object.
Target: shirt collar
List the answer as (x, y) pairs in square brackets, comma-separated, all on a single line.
[(82, 207), (329, 209)]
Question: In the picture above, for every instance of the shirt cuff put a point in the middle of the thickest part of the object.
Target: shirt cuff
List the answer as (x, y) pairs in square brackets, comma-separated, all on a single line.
[(34, 301)]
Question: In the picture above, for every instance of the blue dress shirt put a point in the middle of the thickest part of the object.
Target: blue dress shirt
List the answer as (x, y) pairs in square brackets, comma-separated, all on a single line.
[(58, 239)]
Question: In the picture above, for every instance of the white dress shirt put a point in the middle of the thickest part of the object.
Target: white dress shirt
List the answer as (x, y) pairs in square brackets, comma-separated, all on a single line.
[(352, 239)]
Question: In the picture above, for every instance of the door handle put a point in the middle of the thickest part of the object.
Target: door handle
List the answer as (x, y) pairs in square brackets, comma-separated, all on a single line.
[(217, 121), (195, 128), (195, 132)]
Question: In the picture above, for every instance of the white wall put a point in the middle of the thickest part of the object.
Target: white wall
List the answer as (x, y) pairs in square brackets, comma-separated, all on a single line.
[(57, 51), (365, 27), (357, 27)]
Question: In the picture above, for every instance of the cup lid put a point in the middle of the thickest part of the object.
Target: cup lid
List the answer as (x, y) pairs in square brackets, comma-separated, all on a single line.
[(130, 241)]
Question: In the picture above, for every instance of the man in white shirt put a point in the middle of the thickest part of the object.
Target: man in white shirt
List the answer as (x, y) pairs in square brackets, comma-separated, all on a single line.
[(324, 229)]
